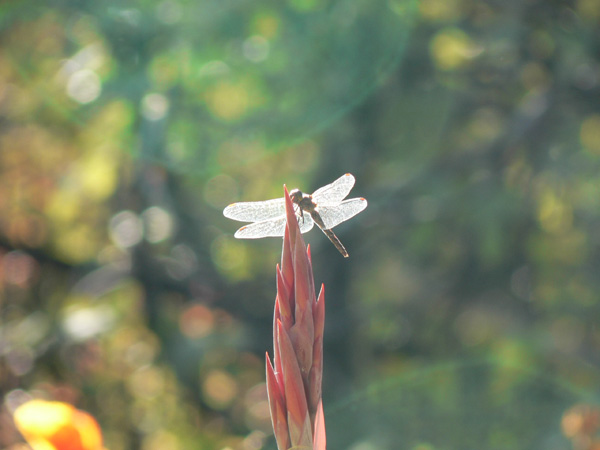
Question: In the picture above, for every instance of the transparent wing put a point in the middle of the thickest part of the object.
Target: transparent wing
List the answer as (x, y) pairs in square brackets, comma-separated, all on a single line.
[(255, 211), (271, 228), (266, 228), (336, 214), (305, 223), (335, 192)]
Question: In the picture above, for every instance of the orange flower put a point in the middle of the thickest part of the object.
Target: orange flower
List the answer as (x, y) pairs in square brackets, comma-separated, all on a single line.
[(57, 426), (294, 377)]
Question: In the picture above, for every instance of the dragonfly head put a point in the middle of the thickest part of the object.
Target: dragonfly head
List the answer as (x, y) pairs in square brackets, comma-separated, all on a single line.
[(296, 195)]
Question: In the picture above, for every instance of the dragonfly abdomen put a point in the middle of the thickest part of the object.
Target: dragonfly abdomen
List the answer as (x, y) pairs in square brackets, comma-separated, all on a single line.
[(330, 234), (335, 241)]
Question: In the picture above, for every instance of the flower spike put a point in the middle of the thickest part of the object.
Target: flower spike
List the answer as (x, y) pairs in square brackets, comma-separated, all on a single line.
[(294, 377)]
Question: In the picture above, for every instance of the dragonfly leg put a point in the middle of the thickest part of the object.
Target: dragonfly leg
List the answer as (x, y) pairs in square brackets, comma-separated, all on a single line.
[(301, 213)]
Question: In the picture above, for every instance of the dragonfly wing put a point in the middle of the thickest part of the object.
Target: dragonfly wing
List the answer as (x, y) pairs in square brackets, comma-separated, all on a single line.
[(305, 223), (336, 191), (266, 228), (272, 228), (255, 211), (335, 214)]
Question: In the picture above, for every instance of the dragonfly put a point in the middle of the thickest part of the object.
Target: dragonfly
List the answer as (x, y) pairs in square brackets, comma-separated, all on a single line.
[(326, 207)]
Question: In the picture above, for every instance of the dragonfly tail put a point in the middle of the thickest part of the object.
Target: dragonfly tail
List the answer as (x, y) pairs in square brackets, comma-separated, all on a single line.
[(335, 241)]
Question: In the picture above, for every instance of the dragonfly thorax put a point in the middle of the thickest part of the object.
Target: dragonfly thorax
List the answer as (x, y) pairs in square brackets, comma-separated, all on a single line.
[(304, 201)]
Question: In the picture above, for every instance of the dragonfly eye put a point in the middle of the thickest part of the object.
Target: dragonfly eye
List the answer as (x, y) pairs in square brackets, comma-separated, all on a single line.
[(296, 195)]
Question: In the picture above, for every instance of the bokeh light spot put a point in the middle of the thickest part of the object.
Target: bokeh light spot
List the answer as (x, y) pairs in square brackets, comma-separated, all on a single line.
[(196, 321), (77, 243), (589, 10), (219, 389), (83, 323), (125, 229), (521, 283), (182, 263), (214, 69), (164, 70), (365, 445), (93, 57), (158, 224), (19, 360), (554, 215), (141, 353), (98, 175), (147, 382), (254, 441), (256, 48), (84, 86), (161, 440), (452, 48), (18, 268), (231, 257), (581, 421), (228, 101), (266, 24), (485, 125), (256, 403), (535, 76), (63, 205), (566, 248), (155, 106)]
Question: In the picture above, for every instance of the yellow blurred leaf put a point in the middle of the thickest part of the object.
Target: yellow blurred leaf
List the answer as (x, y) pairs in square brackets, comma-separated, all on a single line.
[(452, 48), (98, 175), (590, 134)]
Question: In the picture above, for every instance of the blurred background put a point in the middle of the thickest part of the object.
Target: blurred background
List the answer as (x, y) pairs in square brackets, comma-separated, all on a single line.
[(467, 314)]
